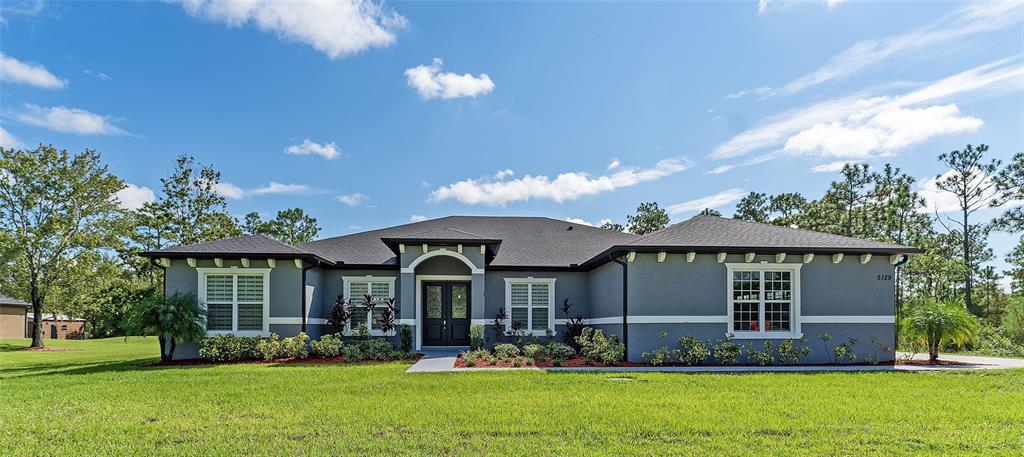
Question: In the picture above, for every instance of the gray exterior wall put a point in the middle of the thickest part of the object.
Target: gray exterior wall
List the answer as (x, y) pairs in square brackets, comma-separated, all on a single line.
[(658, 291)]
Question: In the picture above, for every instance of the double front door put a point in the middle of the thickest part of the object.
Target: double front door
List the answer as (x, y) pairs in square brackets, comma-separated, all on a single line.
[(446, 313)]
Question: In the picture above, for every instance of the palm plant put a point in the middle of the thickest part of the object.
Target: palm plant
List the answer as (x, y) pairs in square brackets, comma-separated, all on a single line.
[(171, 319), (935, 323), (341, 313)]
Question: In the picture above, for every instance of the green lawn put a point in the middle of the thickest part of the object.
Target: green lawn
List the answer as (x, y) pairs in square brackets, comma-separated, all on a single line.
[(95, 400)]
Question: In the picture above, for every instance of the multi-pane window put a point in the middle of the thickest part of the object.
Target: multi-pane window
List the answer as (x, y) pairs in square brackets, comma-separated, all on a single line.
[(235, 301), (381, 289), (530, 304), (762, 300)]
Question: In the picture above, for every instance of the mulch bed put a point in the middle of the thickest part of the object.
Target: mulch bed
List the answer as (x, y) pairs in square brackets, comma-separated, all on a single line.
[(305, 361), (47, 349), (925, 363)]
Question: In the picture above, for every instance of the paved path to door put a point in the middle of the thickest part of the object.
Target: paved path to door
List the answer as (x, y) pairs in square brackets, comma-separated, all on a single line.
[(435, 360)]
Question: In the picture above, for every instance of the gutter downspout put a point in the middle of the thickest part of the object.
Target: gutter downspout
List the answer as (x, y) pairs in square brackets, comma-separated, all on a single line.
[(896, 292), (303, 286), (625, 304)]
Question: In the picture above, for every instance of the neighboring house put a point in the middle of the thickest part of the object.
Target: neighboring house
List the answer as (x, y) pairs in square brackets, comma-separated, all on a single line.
[(59, 327), (707, 276), (12, 317)]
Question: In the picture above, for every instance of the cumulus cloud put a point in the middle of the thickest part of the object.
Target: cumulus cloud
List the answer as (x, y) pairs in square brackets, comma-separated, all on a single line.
[(8, 140), (327, 151), (831, 167), (17, 72), (353, 200), (970, 19), (614, 165), (722, 198), (870, 122), (234, 192), (336, 28), (132, 197), (417, 218), (68, 120), (504, 173), (564, 187), (431, 83), (576, 220)]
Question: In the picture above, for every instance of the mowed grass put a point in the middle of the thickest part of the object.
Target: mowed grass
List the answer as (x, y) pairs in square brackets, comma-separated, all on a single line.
[(96, 400)]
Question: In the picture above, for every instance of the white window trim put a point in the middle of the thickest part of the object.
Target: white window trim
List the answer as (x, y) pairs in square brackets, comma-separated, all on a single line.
[(235, 271), (529, 315), (794, 269), (347, 288)]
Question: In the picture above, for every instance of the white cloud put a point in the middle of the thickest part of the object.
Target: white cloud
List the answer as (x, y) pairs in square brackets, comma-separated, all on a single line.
[(352, 200), (576, 220), (336, 28), (8, 140), (68, 120), (430, 83), (955, 27), (18, 72), (229, 190), (99, 74), (565, 186), (759, 91), (277, 188), (722, 198), (327, 151), (831, 167), (888, 121), (504, 174), (762, 6), (720, 169), (235, 193), (615, 164), (884, 132), (833, 3), (417, 218), (132, 197)]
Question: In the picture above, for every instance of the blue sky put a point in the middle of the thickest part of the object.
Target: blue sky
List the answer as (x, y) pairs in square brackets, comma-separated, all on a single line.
[(370, 115)]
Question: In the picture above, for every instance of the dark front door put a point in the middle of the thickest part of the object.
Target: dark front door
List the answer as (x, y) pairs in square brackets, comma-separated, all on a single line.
[(446, 313)]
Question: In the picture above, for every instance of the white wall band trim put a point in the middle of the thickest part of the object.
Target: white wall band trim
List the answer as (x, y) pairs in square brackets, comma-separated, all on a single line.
[(321, 321), (649, 320), (848, 319)]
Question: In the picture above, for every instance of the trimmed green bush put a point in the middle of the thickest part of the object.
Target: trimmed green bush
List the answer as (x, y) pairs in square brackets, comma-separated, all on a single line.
[(595, 346), (228, 348), (295, 347), (477, 338), (694, 352), (269, 348), (327, 346), (562, 351), (505, 350), (727, 352), (406, 337), (535, 351)]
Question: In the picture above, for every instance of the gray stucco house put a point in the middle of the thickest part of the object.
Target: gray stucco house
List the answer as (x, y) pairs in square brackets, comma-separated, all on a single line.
[(707, 276)]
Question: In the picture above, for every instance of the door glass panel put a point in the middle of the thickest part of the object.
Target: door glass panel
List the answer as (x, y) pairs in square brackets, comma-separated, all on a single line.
[(459, 302), (434, 302)]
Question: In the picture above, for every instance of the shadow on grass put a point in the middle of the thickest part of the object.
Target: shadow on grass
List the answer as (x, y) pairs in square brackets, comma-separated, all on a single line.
[(75, 369)]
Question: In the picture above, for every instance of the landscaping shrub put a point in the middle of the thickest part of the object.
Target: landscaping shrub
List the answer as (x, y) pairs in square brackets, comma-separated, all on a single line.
[(559, 351), (327, 346), (994, 341), (378, 349), (759, 357), (573, 326), (661, 355), (535, 351), (1013, 320), (789, 354), (694, 352), (352, 352), (295, 347), (845, 352), (406, 337), (227, 348), (727, 352), (477, 339), (469, 360), (269, 348), (595, 346), (505, 350)]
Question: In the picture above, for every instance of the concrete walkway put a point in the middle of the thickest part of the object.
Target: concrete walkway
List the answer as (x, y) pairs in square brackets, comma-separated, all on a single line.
[(434, 361)]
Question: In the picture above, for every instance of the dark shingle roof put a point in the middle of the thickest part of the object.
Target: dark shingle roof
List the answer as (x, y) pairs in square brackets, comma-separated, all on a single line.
[(5, 300), (713, 232), (525, 241), (249, 244), (445, 233)]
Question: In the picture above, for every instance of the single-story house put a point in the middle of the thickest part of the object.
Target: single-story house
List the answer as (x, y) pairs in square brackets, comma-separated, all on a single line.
[(12, 317), (707, 276), (58, 327)]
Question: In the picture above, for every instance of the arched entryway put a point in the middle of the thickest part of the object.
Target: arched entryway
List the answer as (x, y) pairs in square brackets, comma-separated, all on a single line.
[(444, 291)]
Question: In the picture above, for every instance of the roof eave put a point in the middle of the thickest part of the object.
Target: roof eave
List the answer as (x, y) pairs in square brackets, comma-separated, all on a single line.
[(603, 257)]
